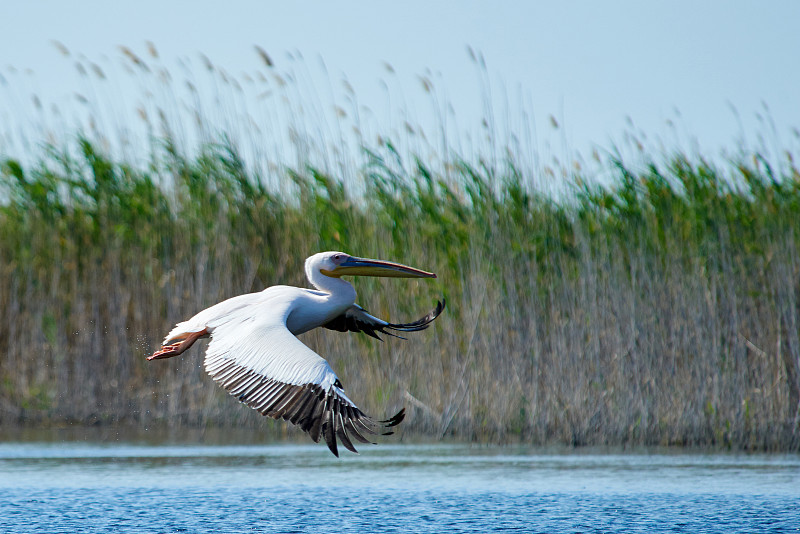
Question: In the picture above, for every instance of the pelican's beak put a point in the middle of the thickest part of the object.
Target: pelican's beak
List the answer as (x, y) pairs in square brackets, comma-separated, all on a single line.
[(365, 267)]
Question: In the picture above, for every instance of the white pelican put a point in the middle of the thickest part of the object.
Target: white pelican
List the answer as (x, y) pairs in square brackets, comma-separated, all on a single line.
[(255, 355)]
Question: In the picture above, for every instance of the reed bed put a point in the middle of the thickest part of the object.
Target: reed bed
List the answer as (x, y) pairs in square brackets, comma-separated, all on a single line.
[(657, 307)]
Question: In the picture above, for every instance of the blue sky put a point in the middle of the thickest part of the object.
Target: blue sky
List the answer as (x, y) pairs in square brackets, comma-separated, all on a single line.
[(592, 66)]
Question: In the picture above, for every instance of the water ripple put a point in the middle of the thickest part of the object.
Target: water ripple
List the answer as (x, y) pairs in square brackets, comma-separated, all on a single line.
[(287, 488)]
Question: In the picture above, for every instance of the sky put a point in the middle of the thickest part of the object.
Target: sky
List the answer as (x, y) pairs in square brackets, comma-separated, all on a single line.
[(712, 75)]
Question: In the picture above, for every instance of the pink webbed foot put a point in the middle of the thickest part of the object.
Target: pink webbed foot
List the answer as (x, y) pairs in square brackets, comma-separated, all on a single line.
[(167, 351)]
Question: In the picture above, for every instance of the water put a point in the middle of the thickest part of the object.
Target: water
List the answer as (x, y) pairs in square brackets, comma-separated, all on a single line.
[(80, 487)]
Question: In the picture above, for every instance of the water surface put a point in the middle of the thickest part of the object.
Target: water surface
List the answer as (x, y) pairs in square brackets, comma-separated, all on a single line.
[(70, 487)]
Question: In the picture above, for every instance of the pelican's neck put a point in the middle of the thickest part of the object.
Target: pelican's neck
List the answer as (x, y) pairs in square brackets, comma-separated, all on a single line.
[(340, 291), (317, 308)]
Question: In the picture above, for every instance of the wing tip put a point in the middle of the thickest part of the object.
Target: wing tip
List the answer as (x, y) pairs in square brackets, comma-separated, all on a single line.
[(395, 420), (421, 323), (337, 422), (319, 412)]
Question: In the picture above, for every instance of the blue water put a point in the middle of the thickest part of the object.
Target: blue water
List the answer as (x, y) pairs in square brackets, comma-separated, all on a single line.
[(79, 487)]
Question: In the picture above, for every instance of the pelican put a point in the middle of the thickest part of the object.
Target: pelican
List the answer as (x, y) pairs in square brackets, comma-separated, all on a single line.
[(254, 354)]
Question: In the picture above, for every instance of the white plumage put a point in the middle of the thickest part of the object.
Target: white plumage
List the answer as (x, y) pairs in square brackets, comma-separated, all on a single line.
[(255, 355)]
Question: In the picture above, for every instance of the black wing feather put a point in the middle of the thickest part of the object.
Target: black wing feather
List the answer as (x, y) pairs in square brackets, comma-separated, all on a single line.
[(321, 413), (357, 319)]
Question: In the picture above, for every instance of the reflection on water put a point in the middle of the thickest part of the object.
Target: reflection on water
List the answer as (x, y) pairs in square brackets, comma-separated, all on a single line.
[(403, 488)]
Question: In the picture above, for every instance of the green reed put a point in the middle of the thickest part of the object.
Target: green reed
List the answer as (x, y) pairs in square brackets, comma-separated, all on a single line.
[(660, 309)]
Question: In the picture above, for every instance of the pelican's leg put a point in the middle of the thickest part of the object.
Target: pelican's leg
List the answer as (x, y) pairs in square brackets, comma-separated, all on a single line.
[(168, 351)]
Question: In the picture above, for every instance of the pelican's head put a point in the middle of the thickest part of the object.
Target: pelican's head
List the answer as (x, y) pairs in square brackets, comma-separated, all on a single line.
[(336, 264)]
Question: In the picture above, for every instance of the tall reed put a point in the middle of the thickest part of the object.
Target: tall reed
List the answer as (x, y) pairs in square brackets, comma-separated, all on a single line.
[(659, 310)]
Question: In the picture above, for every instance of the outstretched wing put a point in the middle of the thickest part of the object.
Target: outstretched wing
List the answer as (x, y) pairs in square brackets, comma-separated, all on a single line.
[(356, 319), (259, 361)]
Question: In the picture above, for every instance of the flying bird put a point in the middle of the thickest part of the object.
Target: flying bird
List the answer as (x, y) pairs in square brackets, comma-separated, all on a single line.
[(255, 355)]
